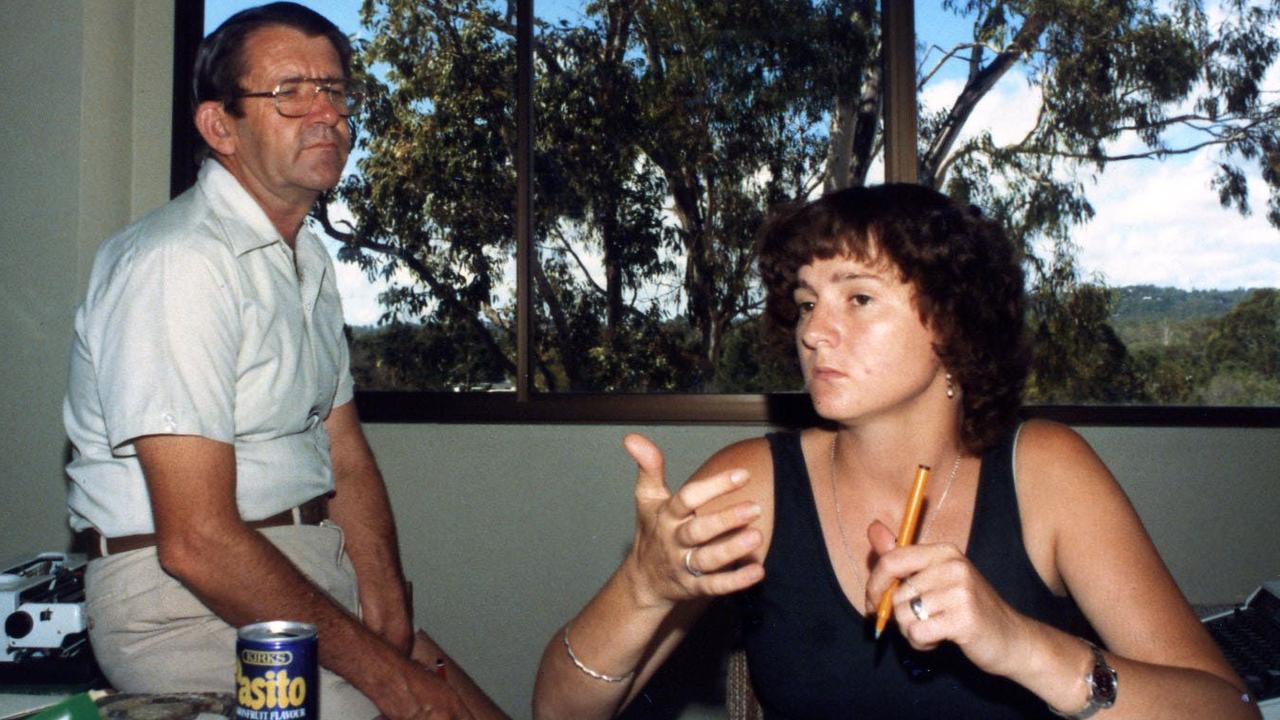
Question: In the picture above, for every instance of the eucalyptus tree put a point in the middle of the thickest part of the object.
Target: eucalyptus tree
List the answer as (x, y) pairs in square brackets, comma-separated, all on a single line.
[(665, 130)]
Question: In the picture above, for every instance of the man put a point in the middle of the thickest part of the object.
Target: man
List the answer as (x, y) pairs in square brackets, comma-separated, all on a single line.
[(220, 475)]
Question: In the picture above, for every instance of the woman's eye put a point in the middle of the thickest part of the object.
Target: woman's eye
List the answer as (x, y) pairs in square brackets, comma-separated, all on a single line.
[(861, 299), (804, 306)]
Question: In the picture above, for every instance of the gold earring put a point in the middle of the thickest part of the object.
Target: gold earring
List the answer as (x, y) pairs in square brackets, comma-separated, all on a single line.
[(951, 388)]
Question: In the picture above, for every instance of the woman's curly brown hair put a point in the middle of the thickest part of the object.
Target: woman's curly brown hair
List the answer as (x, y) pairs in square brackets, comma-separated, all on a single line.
[(966, 273)]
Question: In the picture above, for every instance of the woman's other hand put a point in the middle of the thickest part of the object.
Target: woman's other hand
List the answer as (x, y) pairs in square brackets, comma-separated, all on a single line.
[(955, 602), (680, 553)]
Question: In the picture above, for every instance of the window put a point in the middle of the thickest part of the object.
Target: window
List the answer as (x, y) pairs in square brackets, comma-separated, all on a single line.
[(1124, 159), (658, 135)]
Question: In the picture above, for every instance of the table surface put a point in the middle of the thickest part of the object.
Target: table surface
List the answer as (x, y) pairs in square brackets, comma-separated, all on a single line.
[(129, 706), (176, 706)]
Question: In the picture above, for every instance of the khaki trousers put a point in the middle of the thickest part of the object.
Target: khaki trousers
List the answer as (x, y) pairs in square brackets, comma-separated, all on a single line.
[(151, 635)]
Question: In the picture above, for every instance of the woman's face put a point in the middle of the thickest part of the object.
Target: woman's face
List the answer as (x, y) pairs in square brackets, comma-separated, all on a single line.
[(863, 349)]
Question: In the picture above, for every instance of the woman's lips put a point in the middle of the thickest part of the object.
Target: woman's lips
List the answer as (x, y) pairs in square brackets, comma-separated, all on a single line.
[(826, 372)]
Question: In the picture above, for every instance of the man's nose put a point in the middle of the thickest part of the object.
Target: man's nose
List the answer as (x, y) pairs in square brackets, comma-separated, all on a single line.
[(325, 106)]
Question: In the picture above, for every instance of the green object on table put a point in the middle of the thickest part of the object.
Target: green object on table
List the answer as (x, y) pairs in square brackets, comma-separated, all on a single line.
[(76, 707)]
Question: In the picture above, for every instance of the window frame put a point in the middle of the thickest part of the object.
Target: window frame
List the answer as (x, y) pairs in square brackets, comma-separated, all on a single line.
[(784, 409)]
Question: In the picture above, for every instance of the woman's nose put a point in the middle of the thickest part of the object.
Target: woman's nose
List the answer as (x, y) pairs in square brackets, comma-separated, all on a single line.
[(817, 328)]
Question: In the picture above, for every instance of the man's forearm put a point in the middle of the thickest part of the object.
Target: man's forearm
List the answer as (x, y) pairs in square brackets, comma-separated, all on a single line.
[(360, 506)]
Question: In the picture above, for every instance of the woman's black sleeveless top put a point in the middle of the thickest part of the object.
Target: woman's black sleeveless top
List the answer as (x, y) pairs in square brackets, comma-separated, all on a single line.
[(811, 655)]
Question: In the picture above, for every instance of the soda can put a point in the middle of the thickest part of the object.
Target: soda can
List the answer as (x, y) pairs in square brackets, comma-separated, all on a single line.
[(277, 671)]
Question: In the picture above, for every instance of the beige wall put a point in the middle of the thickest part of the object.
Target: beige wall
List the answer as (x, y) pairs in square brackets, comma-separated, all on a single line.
[(506, 530), (85, 125)]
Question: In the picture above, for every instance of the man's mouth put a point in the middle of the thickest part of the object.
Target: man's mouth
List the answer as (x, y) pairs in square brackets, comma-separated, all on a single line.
[(323, 137)]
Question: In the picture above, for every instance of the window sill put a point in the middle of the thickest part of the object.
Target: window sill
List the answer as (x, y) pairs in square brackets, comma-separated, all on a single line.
[(779, 409)]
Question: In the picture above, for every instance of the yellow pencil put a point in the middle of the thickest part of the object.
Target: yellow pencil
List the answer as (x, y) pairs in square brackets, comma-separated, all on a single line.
[(906, 534)]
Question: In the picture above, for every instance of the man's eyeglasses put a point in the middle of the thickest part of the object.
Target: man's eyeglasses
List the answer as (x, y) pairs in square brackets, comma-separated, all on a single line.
[(295, 98)]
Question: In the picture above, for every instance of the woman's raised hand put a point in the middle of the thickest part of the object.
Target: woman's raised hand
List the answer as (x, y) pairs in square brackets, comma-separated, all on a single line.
[(952, 601), (682, 549)]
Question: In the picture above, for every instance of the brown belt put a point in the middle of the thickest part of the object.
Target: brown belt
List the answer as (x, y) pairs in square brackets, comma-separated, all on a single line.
[(311, 512)]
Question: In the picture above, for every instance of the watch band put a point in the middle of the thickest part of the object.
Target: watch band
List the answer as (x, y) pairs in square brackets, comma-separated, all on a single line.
[(1102, 681)]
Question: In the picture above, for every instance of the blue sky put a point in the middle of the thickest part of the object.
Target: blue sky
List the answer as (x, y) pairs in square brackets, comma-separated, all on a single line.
[(344, 13)]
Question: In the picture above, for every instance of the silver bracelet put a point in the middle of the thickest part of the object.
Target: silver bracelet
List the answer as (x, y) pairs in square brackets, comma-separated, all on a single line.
[(597, 675)]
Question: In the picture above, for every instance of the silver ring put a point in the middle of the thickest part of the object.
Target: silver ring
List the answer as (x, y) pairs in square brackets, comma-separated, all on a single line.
[(917, 608), (688, 563)]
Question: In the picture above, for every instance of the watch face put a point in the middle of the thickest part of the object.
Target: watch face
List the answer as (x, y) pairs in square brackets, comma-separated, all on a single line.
[(1104, 684)]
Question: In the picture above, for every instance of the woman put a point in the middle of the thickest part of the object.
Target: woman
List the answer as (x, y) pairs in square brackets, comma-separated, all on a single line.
[(906, 311)]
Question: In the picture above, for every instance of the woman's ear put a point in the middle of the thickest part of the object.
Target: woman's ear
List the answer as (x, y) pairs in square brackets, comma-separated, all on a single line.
[(215, 125)]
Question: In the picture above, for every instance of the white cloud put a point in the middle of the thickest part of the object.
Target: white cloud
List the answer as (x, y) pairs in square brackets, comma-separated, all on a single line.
[(1156, 222)]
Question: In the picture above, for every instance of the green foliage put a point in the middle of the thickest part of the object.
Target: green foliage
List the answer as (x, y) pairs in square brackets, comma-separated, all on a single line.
[(412, 356), (666, 129), (1248, 337), (1228, 358), (1078, 358), (758, 359), (1240, 388)]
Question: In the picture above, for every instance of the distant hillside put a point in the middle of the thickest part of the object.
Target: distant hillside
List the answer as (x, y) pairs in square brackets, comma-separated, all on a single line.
[(1136, 303), (1149, 318)]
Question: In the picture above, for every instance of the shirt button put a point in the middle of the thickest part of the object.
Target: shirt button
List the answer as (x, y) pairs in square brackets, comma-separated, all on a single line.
[(170, 422)]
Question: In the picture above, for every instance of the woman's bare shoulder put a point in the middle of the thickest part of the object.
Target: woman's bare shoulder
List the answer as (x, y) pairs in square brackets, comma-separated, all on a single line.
[(747, 454), (1047, 435), (752, 455), (1053, 456)]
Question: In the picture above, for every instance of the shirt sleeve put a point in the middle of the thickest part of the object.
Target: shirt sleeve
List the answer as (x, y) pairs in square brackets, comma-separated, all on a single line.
[(346, 391), (169, 339), (346, 384)]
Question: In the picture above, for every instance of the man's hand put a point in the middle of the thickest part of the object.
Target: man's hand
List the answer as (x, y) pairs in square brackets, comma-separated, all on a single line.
[(425, 695), (431, 656)]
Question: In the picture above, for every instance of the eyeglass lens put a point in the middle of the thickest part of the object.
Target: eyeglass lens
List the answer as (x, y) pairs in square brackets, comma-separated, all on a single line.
[(296, 97)]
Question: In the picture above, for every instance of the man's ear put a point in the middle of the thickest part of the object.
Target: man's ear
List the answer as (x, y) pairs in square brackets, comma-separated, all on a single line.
[(215, 125)]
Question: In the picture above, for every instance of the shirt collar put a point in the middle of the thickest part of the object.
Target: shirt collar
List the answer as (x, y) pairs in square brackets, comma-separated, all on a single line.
[(233, 204), (312, 261)]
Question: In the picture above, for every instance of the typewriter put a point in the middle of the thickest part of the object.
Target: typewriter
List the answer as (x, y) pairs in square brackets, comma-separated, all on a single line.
[(1250, 638), (46, 636)]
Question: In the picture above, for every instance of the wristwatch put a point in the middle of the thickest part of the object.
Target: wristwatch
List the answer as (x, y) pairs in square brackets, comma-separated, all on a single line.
[(1102, 682)]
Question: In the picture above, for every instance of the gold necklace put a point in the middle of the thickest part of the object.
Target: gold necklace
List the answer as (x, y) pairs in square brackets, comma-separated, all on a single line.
[(835, 498)]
